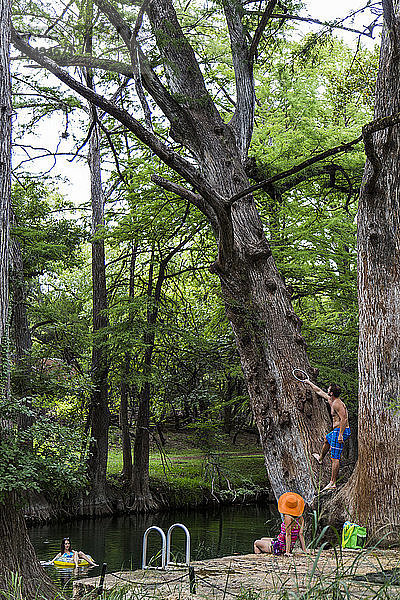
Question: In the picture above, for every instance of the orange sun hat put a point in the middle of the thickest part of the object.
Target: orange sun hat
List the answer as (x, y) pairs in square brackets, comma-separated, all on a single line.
[(291, 503)]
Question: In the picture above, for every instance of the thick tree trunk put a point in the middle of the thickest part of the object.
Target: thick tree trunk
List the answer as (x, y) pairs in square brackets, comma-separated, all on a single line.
[(291, 421), (17, 556), (372, 495), (21, 574)]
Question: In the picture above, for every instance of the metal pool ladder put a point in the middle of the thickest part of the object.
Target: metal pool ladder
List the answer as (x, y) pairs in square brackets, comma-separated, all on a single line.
[(166, 547)]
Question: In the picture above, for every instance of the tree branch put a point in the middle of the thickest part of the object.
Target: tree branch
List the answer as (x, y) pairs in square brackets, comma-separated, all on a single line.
[(221, 222), (306, 163), (368, 31), (188, 195), (168, 156), (261, 27), (242, 121), (172, 109)]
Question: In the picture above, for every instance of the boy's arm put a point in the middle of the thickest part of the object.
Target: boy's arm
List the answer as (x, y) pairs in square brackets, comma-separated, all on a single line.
[(316, 389)]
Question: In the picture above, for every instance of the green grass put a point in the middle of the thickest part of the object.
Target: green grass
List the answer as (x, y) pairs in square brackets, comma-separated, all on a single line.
[(185, 477)]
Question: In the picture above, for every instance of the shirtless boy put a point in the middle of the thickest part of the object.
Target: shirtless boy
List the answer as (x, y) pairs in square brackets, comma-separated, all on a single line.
[(341, 430)]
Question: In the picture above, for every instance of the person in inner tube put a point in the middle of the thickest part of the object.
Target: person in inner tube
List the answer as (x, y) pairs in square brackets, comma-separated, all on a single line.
[(66, 554)]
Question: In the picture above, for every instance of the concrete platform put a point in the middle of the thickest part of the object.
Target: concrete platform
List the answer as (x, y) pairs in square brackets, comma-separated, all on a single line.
[(269, 576)]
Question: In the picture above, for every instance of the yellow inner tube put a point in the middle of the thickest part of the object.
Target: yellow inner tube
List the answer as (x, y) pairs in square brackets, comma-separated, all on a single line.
[(70, 564)]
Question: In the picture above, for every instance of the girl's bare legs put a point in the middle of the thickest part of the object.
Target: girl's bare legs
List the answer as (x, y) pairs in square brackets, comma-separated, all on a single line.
[(87, 558), (263, 545)]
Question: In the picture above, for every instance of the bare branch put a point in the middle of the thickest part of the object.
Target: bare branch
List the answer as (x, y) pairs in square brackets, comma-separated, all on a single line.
[(368, 31), (221, 223), (306, 163), (168, 156), (188, 195), (261, 27), (242, 121)]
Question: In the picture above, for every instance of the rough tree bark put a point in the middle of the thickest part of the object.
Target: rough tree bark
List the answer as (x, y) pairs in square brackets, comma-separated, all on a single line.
[(125, 389), (290, 420), (97, 503), (99, 412), (372, 494), (17, 555)]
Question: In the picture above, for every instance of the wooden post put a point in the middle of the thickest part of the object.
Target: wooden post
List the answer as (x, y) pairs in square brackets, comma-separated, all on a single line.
[(102, 576), (192, 580)]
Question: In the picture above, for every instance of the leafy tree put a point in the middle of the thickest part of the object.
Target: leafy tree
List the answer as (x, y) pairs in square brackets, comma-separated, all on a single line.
[(258, 306)]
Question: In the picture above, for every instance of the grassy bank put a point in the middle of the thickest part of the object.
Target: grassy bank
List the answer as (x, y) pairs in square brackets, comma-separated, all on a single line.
[(187, 474)]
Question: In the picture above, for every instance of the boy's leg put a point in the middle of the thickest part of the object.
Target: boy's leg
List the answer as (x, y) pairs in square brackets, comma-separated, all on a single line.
[(335, 470), (324, 452)]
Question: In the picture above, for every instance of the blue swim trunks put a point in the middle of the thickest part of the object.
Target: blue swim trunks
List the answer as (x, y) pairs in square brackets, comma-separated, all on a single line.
[(332, 438)]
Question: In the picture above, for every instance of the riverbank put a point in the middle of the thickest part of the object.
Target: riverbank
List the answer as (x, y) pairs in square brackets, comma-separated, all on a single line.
[(332, 573), (183, 475)]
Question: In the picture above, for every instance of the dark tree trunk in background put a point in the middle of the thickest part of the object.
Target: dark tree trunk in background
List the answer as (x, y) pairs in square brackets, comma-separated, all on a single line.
[(141, 483), (21, 336), (99, 412), (126, 387), (17, 555), (372, 496)]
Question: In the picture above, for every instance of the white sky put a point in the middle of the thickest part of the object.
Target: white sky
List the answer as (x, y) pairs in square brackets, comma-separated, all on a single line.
[(77, 172)]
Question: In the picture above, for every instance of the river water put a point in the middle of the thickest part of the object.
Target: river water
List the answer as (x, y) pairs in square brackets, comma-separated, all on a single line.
[(117, 541)]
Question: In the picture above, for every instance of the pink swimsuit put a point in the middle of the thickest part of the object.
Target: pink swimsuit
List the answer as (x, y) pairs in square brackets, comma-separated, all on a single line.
[(279, 544)]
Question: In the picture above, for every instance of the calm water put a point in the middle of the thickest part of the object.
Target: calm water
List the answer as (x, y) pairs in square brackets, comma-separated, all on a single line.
[(117, 541)]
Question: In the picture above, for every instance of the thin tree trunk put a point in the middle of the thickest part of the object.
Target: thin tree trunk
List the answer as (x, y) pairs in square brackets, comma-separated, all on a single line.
[(127, 470), (141, 482), (372, 495), (5, 162), (97, 463), (98, 450), (21, 337)]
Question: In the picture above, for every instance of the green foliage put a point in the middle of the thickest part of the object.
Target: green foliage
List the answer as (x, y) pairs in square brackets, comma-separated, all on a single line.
[(41, 455), (47, 240)]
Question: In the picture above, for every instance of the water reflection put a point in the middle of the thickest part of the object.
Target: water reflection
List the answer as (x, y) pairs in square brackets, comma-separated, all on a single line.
[(117, 541)]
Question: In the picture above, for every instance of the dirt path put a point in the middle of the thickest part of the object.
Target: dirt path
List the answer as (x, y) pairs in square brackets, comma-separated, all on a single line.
[(326, 574)]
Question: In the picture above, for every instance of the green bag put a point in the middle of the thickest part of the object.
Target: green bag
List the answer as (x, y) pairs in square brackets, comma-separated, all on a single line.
[(353, 535)]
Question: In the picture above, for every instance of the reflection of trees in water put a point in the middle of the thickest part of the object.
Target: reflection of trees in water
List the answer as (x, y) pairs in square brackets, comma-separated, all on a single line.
[(218, 531)]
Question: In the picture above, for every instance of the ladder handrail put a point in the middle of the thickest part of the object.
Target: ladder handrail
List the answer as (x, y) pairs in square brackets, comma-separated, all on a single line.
[(187, 548), (163, 550)]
